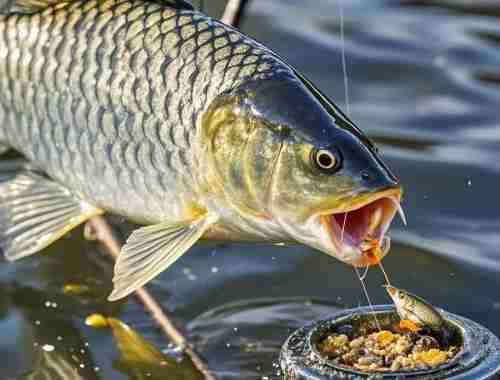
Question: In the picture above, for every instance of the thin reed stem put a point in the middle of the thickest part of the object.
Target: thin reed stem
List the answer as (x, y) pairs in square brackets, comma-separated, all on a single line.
[(233, 14), (103, 233)]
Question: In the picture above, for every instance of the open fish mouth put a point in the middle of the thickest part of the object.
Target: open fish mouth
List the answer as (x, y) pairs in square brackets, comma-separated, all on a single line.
[(361, 230)]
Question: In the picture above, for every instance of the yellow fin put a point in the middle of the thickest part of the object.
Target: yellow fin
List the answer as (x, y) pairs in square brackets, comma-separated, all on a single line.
[(151, 250), (36, 211)]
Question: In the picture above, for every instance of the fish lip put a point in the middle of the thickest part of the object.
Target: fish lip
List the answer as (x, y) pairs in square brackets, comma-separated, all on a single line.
[(355, 236)]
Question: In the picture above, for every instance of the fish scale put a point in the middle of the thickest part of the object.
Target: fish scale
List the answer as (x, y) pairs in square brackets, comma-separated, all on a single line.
[(96, 92)]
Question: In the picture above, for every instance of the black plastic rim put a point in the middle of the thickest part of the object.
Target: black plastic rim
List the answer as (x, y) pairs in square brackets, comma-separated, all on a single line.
[(479, 357), (317, 334)]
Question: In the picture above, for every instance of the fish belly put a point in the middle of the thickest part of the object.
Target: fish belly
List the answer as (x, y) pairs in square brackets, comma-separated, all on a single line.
[(107, 97)]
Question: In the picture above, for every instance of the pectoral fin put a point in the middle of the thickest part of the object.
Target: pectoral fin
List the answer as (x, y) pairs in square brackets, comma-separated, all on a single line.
[(151, 250), (35, 211)]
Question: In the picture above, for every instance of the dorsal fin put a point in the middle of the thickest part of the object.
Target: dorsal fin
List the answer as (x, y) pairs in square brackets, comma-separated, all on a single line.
[(32, 6)]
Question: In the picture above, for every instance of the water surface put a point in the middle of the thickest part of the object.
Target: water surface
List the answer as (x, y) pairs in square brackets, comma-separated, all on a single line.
[(424, 81)]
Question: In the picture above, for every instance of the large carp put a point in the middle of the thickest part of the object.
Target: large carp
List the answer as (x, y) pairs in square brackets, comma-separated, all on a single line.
[(156, 112)]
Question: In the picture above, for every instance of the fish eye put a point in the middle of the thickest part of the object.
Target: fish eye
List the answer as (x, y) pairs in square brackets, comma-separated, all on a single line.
[(325, 159)]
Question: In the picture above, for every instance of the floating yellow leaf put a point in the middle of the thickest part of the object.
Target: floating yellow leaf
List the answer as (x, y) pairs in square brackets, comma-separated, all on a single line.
[(77, 289), (97, 321)]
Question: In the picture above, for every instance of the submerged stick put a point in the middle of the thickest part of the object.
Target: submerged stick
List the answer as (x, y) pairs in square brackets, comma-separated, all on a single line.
[(233, 13), (104, 234)]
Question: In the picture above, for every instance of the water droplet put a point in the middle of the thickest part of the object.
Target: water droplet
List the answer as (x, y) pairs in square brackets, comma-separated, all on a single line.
[(440, 61), (189, 274), (48, 347)]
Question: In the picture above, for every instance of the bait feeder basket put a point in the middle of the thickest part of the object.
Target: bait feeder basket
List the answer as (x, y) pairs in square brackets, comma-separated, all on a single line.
[(478, 357)]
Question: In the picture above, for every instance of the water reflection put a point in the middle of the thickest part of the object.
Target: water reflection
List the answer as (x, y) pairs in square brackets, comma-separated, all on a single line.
[(51, 343), (477, 7), (424, 84), (140, 360), (250, 332)]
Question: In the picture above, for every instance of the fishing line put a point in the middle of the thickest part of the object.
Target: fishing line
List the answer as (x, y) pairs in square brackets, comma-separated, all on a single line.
[(344, 61), (365, 290), (366, 273), (348, 110), (384, 273), (386, 246), (343, 227)]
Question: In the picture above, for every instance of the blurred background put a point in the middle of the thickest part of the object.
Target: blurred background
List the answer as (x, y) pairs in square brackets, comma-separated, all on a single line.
[(424, 83)]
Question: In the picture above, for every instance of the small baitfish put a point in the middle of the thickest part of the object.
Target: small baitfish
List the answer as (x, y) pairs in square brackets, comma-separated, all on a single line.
[(415, 309), (151, 110)]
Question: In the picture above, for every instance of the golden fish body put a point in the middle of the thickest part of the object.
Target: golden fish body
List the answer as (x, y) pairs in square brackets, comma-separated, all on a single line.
[(156, 112), (107, 97)]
